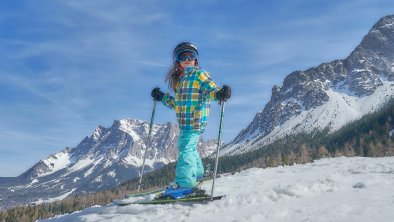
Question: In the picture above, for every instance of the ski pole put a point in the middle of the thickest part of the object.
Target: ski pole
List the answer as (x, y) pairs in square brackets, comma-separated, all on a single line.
[(147, 145), (217, 149)]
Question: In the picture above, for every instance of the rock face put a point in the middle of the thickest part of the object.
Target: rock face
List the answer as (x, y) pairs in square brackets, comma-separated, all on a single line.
[(329, 95), (107, 158)]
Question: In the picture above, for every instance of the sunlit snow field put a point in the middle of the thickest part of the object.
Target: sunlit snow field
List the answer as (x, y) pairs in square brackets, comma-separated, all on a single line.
[(337, 189)]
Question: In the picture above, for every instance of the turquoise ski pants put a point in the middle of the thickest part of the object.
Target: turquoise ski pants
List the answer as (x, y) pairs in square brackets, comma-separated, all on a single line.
[(189, 165)]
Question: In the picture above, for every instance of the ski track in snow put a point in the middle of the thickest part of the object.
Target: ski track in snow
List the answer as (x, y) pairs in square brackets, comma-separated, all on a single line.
[(337, 189)]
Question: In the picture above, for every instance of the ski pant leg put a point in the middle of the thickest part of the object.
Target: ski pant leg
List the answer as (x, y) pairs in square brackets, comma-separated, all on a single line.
[(200, 166), (188, 165)]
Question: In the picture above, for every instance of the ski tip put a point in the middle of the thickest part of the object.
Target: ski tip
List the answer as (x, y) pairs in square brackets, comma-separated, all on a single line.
[(218, 197)]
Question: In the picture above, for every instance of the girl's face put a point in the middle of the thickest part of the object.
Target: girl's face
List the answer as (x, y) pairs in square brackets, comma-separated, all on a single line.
[(187, 62)]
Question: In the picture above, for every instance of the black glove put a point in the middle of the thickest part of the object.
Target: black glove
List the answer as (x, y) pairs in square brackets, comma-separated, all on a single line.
[(224, 94), (157, 94)]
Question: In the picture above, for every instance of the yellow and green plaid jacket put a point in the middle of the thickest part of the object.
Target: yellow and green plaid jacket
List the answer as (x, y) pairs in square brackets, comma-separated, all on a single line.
[(192, 99)]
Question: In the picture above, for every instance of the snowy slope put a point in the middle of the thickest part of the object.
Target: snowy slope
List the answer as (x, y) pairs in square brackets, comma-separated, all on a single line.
[(56, 162), (338, 189)]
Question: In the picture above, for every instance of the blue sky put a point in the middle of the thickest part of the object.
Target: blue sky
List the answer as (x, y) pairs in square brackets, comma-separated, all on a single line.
[(68, 66)]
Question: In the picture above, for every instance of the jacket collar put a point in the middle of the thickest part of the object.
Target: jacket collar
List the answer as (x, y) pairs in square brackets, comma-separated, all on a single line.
[(190, 69), (187, 71)]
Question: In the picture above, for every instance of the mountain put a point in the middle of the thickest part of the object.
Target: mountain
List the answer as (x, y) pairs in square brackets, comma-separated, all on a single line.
[(327, 96), (107, 158)]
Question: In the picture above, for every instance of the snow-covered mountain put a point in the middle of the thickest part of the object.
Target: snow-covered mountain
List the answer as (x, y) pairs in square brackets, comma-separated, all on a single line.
[(330, 95), (107, 158), (338, 189)]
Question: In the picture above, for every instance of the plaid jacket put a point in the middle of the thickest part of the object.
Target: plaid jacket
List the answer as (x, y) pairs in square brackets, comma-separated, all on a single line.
[(192, 99)]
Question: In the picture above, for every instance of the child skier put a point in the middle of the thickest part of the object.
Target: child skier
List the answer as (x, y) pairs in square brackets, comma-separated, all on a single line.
[(194, 89)]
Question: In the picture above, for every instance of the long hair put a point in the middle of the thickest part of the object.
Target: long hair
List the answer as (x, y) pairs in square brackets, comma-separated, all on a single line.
[(173, 75)]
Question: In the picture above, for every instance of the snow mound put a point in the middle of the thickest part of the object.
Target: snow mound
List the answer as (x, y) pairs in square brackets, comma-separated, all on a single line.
[(337, 189)]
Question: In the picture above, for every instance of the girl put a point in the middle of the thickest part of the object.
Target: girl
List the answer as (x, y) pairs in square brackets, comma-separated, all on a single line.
[(194, 90)]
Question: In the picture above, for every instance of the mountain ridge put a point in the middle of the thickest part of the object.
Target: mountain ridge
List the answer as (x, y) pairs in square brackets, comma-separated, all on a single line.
[(367, 70), (104, 160)]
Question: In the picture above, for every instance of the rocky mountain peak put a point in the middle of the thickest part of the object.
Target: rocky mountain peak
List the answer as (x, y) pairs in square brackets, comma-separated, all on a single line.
[(317, 97), (380, 38)]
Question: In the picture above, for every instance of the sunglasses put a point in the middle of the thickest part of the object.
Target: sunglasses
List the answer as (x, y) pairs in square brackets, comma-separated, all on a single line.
[(186, 54)]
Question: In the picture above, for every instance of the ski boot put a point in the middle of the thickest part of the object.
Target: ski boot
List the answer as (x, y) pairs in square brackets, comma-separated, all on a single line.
[(175, 192)]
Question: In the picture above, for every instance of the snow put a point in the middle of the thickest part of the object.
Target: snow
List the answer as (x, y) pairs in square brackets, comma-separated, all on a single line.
[(97, 133), (34, 181), (112, 173), (56, 162), (80, 164), (391, 132), (129, 125), (135, 161), (388, 25), (95, 163), (339, 189), (61, 197), (98, 179), (108, 163)]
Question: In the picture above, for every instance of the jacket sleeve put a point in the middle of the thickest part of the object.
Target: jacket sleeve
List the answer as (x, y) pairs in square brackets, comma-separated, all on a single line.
[(168, 100), (208, 87)]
